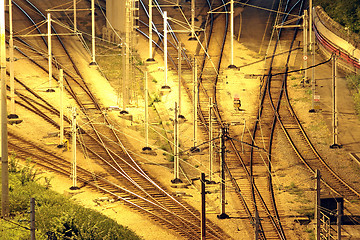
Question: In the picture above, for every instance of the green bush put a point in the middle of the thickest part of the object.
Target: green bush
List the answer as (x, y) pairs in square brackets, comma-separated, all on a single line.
[(57, 216), (353, 83), (345, 12)]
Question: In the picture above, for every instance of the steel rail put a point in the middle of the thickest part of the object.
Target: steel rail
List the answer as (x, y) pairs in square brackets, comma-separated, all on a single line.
[(170, 196), (277, 223), (96, 183)]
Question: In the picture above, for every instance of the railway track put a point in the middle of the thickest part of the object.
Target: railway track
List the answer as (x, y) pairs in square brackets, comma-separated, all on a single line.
[(236, 168), (103, 144), (248, 172), (26, 149), (251, 172), (276, 91)]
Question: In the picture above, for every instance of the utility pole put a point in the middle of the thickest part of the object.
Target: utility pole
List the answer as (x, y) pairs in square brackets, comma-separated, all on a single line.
[(61, 80), (150, 59), (75, 23), (232, 34), (179, 78), (211, 145), (4, 139), (12, 114), (224, 135), (49, 52), (124, 79), (93, 61), (334, 104), (311, 15), (317, 205), (192, 21), (146, 148), (176, 147), (257, 224), (127, 96), (32, 218), (312, 48), (195, 107), (165, 87), (203, 207), (305, 45), (74, 130), (339, 216)]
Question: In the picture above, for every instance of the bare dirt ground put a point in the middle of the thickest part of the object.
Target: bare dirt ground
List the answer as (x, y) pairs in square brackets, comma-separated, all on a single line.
[(287, 171)]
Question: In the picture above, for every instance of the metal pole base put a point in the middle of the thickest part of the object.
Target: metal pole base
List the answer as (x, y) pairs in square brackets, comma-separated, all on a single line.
[(146, 149), (12, 121), (123, 112), (194, 149), (50, 90), (192, 39), (232, 66), (335, 146), (150, 60), (210, 182), (92, 64), (176, 181), (60, 146), (181, 119), (165, 89), (223, 216), (74, 188), (12, 116)]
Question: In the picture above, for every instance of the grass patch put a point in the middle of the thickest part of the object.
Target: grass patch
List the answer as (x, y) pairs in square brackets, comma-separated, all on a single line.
[(57, 216), (307, 211), (353, 83), (293, 189)]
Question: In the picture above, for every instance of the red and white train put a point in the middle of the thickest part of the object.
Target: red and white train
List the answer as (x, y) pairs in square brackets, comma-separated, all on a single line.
[(330, 42)]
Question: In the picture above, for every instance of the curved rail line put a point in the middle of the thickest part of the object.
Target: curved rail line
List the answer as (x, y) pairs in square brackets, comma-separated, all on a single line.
[(129, 170)]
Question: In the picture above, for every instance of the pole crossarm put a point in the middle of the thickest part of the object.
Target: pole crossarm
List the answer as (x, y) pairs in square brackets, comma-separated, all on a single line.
[(35, 26), (285, 24), (183, 25), (266, 9), (68, 10), (214, 10), (45, 34), (203, 143), (246, 143)]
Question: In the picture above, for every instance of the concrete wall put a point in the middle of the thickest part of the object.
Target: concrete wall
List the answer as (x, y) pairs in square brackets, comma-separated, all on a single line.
[(115, 12)]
